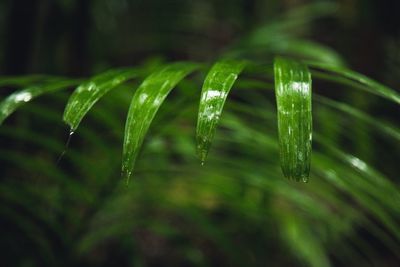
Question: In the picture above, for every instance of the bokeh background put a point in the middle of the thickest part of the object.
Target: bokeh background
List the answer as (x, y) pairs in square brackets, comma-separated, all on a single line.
[(237, 210)]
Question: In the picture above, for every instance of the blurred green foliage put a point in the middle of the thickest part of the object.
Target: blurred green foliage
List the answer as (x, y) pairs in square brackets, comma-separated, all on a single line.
[(237, 209)]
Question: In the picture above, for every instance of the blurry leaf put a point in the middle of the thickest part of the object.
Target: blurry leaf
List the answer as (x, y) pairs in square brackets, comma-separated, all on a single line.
[(293, 96), (313, 10), (347, 76), (34, 233), (88, 93), (291, 47), (294, 22), (309, 50), (379, 125), (217, 85), (301, 239), (12, 102), (374, 193), (26, 80), (144, 106)]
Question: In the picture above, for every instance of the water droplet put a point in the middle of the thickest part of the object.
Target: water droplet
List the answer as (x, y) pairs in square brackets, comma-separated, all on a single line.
[(304, 179), (71, 132)]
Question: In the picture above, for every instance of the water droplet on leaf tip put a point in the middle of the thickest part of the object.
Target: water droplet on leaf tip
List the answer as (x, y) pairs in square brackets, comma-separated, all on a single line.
[(304, 179)]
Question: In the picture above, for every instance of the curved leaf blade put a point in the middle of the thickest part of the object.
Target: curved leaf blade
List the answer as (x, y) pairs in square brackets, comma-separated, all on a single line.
[(293, 97), (216, 87), (144, 106), (15, 100), (89, 92)]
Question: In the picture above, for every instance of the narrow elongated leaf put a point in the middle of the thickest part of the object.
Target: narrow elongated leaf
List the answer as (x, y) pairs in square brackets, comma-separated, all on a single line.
[(293, 97), (380, 125), (308, 49), (15, 100), (144, 105), (217, 85), (88, 93), (23, 81), (364, 82)]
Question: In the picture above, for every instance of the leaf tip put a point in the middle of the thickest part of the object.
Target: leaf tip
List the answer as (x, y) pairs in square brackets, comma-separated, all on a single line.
[(202, 152), (126, 174), (305, 178)]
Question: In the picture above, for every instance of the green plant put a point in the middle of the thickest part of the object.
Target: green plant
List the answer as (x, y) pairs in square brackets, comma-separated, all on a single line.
[(234, 202)]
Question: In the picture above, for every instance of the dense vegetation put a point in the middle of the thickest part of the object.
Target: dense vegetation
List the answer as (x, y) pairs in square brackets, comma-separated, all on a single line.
[(64, 201)]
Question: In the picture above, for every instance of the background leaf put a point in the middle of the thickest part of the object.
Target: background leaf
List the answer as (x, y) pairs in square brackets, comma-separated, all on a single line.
[(346, 76)]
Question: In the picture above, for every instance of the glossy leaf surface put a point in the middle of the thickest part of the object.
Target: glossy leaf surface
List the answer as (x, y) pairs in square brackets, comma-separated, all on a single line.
[(293, 97), (88, 93), (216, 87), (15, 100), (144, 105)]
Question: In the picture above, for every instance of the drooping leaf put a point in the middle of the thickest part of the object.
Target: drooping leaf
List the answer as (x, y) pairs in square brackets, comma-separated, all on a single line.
[(293, 97), (15, 100), (380, 125), (88, 93), (357, 80), (144, 106), (217, 85)]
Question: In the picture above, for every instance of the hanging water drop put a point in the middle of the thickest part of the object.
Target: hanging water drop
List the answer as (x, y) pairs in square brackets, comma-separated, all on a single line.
[(71, 132)]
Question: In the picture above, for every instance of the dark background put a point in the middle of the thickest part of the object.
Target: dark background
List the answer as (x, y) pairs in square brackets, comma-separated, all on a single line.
[(81, 37)]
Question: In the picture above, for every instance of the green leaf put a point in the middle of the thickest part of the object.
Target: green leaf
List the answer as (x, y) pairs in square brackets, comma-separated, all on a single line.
[(88, 93), (379, 124), (15, 100), (27, 80), (355, 79), (144, 106), (293, 97), (217, 85), (308, 49), (301, 239)]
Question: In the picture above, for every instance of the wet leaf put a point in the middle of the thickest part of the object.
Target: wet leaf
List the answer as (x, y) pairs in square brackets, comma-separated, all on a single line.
[(144, 106), (88, 93), (217, 85), (15, 100), (293, 97)]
